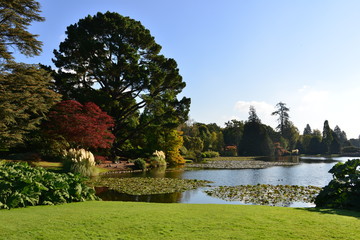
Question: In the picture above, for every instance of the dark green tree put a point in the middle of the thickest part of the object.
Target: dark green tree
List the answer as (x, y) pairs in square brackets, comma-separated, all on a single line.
[(25, 98), (205, 135), (327, 137), (114, 62), (307, 130), (255, 140), (253, 117), (335, 146), (233, 132), (341, 135), (291, 134), (283, 116), (15, 17), (315, 146)]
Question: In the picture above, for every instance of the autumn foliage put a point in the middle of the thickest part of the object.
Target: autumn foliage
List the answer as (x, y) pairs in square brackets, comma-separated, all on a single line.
[(85, 126)]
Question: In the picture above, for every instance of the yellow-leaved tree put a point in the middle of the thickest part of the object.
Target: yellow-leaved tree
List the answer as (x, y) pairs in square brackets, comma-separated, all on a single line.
[(172, 144)]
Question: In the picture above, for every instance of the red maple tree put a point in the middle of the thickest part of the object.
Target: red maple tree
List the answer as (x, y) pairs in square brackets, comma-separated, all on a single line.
[(85, 126)]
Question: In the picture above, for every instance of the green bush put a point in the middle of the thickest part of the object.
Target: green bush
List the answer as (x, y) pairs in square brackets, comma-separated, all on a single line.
[(140, 164), (22, 185), (344, 190), (210, 154), (350, 149)]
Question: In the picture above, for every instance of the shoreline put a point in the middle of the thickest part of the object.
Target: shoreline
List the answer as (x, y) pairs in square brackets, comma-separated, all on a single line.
[(235, 164)]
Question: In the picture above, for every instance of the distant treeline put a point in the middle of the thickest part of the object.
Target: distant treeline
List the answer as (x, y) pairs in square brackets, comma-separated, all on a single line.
[(253, 138)]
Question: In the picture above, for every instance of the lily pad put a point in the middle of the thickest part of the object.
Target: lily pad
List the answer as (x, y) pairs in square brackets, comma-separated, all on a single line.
[(264, 194), (146, 186)]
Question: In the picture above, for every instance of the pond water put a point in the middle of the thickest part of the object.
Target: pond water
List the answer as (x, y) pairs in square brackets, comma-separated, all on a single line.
[(309, 171)]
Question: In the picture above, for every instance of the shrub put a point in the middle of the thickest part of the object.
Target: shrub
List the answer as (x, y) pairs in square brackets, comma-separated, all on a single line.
[(22, 185), (230, 151), (344, 190), (140, 164), (158, 159), (79, 161), (210, 154), (350, 149)]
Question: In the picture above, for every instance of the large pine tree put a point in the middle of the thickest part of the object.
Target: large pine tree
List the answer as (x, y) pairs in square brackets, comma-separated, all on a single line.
[(114, 62)]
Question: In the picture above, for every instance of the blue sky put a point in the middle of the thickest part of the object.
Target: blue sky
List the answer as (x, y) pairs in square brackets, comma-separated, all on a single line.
[(237, 53)]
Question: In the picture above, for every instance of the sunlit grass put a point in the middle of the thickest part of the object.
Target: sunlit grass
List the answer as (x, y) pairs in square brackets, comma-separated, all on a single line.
[(128, 220), (47, 164)]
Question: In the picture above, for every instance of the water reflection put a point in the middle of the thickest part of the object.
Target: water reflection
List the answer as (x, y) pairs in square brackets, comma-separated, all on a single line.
[(111, 195), (308, 171)]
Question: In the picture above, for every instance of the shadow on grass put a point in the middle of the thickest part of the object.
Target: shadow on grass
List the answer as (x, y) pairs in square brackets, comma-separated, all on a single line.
[(348, 213)]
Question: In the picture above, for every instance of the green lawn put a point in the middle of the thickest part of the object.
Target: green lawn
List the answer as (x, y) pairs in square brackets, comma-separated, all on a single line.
[(128, 220)]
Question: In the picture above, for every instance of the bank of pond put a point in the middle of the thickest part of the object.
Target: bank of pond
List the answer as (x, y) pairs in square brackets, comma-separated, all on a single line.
[(288, 182)]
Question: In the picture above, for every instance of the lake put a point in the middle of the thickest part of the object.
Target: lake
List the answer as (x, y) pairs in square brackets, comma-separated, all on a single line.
[(309, 171)]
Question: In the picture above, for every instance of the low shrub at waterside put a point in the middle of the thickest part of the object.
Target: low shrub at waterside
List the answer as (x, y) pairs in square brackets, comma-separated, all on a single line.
[(140, 164), (210, 154), (22, 185), (79, 161)]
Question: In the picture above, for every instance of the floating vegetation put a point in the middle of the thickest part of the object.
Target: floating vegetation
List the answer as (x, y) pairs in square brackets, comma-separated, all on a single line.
[(146, 186), (264, 194), (243, 164)]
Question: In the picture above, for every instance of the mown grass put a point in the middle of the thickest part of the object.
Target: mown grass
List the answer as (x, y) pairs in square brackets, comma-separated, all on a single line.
[(129, 220)]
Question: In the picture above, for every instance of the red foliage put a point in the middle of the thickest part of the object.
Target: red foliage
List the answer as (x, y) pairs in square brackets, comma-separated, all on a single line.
[(85, 125)]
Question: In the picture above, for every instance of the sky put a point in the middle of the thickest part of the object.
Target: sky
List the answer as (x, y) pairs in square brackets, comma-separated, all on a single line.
[(237, 53)]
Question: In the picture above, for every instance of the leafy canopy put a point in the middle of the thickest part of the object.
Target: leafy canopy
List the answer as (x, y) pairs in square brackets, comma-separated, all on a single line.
[(25, 98), (15, 17), (114, 61), (344, 190), (80, 125)]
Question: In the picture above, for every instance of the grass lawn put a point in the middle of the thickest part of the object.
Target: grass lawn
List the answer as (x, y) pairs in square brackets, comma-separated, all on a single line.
[(129, 220)]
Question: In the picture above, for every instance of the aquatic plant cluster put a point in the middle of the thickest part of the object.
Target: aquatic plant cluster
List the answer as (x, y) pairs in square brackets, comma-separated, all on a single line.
[(146, 186), (265, 194), (236, 164)]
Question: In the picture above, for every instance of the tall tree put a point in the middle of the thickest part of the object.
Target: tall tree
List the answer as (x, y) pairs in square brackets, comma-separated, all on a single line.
[(253, 117), (15, 17), (283, 116), (340, 135), (327, 136), (25, 98), (256, 141), (291, 133), (115, 62), (233, 132), (307, 130)]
